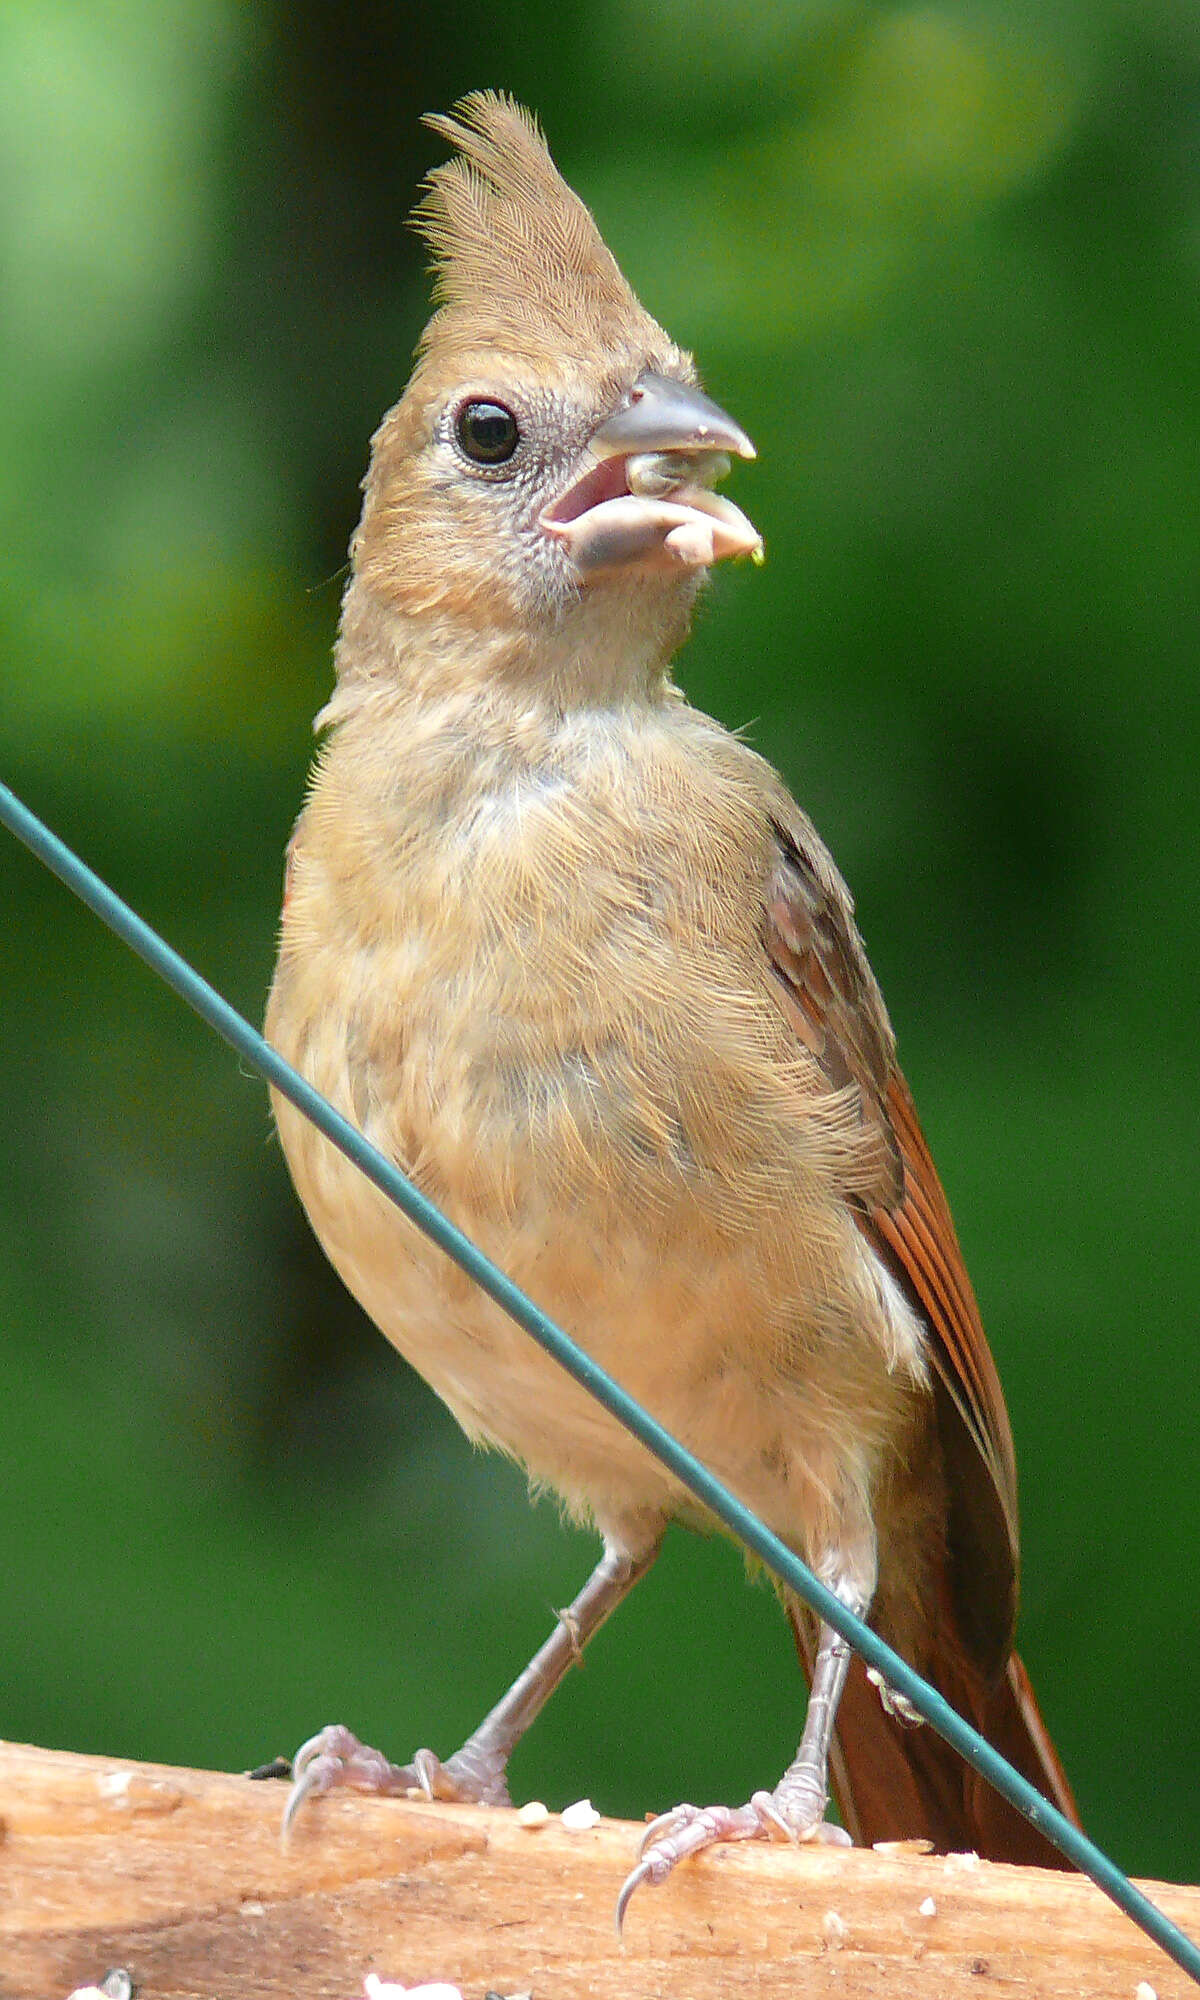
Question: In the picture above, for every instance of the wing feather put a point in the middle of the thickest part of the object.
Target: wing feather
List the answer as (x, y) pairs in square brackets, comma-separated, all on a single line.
[(830, 994)]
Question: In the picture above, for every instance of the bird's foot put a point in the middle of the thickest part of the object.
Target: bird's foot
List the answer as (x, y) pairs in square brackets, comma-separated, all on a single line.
[(893, 1703), (791, 1812), (334, 1758)]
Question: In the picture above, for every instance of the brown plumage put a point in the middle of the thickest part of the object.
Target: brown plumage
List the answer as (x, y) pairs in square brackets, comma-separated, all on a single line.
[(516, 253), (565, 949)]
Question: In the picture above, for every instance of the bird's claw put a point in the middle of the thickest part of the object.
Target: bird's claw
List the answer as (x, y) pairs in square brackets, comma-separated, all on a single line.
[(772, 1821), (430, 1774), (334, 1758), (684, 1830), (644, 1872), (687, 1830)]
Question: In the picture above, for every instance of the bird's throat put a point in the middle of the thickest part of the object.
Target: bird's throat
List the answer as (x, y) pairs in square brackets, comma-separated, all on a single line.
[(610, 646)]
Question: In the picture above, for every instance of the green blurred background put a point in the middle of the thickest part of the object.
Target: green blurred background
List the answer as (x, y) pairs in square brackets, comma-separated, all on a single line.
[(943, 262)]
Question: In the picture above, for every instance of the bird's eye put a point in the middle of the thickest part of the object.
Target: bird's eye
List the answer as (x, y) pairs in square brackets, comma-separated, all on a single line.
[(487, 433)]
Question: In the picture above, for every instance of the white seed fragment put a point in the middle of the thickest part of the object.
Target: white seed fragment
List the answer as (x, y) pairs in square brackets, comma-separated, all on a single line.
[(533, 1813), (651, 474), (834, 1931), (928, 1908), (580, 1817), (1144, 1991), (376, 1988)]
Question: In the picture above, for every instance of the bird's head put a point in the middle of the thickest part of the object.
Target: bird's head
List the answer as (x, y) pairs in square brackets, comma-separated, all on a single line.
[(553, 457)]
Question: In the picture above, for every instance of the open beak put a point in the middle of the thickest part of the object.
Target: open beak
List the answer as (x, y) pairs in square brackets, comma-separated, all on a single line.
[(644, 496)]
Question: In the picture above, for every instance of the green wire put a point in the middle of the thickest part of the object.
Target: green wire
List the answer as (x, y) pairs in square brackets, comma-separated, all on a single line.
[(249, 1044)]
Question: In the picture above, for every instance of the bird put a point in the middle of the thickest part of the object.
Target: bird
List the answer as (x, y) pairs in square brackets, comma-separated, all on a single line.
[(567, 951)]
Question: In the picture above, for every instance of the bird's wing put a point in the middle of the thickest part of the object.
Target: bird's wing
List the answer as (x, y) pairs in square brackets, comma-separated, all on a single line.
[(830, 995)]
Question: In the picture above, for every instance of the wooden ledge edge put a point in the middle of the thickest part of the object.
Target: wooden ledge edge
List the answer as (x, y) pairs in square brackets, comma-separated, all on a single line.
[(181, 1876)]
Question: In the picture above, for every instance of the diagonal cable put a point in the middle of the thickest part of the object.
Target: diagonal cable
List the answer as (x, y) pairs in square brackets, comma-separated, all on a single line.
[(778, 1558)]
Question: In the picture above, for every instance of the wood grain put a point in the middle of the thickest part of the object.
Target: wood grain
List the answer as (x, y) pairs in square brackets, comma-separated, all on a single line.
[(181, 1877)]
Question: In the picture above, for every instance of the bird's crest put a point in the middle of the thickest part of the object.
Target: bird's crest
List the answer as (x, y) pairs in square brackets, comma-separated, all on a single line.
[(517, 256)]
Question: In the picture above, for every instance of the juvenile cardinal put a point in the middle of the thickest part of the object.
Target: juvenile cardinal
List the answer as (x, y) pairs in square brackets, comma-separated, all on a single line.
[(567, 951)]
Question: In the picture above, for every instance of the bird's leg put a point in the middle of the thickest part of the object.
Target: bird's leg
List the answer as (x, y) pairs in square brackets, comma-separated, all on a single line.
[(795, 1810), (802, 1794), (476, 1774)]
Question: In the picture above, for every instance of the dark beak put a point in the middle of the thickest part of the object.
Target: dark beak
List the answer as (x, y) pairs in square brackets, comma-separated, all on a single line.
[(661, 415)]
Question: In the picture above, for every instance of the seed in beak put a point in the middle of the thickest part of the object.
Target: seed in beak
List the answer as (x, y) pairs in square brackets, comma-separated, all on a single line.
[(653, 474)]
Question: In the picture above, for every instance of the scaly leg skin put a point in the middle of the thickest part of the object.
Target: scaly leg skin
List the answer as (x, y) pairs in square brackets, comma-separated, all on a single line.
[(476, 1774), (795, 1810)]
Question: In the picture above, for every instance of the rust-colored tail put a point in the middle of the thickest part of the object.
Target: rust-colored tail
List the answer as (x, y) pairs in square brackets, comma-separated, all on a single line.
[(896, 1782)]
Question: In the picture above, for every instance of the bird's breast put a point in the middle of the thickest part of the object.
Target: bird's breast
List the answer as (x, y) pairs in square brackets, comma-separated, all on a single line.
[(541, 994)]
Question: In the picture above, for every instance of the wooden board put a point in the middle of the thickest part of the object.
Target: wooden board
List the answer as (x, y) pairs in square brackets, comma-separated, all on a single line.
[(181, 1877)]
